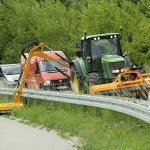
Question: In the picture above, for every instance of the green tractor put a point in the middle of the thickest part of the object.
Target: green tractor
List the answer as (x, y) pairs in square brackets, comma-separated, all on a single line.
[(99, 61)]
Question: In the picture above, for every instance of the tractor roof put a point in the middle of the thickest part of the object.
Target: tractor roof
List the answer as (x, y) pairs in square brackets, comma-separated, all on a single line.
[(99, 35)]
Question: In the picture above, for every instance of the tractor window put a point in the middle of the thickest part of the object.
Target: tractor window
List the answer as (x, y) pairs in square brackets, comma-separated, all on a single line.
[(110, 46), (103, 47), (97, 50)]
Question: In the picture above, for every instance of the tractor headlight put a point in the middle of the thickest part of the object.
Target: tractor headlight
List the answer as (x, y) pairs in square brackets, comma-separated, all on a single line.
[(115, 71), (47, 82), (122, 70)]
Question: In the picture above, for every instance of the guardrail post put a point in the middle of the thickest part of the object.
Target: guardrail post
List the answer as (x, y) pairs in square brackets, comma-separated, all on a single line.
[(44, 101), (36, 101), (129, 118), (28, 101), (73, 106)]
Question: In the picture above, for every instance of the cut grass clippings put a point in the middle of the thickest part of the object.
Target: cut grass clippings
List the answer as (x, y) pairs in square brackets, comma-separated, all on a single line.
[(100, 129)]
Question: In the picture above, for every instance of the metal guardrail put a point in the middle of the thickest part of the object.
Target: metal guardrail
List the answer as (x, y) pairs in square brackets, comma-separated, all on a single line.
[(137, 108)]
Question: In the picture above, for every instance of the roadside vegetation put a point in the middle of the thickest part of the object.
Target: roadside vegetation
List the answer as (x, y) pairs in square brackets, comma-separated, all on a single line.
[(97, 129), (59, 23)]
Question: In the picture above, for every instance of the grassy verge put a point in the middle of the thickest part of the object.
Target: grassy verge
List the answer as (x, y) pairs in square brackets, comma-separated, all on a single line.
[(100, 129), (6, 99)]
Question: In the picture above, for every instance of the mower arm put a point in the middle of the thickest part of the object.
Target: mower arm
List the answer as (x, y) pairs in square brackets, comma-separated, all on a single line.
[(35, 51)]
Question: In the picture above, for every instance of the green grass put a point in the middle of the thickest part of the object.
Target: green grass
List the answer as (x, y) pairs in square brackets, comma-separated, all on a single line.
[(100, 129), (6, 99)]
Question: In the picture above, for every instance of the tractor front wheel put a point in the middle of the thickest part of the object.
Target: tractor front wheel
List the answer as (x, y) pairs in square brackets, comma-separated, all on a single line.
[(76, 80)]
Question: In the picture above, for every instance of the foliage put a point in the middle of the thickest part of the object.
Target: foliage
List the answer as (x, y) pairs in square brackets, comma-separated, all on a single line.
[(28, 21), (59, 23)]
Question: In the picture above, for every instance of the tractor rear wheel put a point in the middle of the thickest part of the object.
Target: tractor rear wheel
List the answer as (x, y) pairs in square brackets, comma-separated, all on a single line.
[(94, 78), (77, 81)]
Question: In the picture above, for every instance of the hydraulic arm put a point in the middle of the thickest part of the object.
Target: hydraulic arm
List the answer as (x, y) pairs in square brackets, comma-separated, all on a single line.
[(35, 51)]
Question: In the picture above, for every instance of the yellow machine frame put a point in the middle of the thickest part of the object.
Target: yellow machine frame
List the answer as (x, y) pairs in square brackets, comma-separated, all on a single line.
[(133, 79), (36, 51)]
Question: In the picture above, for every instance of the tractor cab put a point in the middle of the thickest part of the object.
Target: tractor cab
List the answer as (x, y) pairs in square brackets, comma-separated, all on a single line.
[(102, 53)]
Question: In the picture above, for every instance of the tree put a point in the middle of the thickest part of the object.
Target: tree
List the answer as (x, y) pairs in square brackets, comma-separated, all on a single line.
[(58, 24), (28, 21)]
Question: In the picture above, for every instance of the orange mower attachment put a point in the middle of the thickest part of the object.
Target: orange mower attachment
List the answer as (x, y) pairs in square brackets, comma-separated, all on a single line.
[(128, 81), (6, 107)]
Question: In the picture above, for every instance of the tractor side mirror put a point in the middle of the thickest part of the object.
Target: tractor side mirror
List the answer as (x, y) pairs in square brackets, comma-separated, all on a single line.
[(129, 38), (77, 44), (78, 53)]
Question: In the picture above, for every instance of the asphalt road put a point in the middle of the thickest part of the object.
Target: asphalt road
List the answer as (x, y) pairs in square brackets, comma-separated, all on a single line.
[(18, 136)]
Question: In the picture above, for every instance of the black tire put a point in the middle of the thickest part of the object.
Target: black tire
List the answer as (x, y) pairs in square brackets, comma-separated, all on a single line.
[(77, 81), (94, 78)]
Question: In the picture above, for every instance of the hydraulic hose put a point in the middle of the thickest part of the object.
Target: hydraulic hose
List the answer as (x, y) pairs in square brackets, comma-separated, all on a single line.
[(27, 46)]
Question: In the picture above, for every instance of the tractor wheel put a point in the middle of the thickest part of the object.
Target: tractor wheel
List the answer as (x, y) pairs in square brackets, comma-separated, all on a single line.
[(94, 78), (76, 80)]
